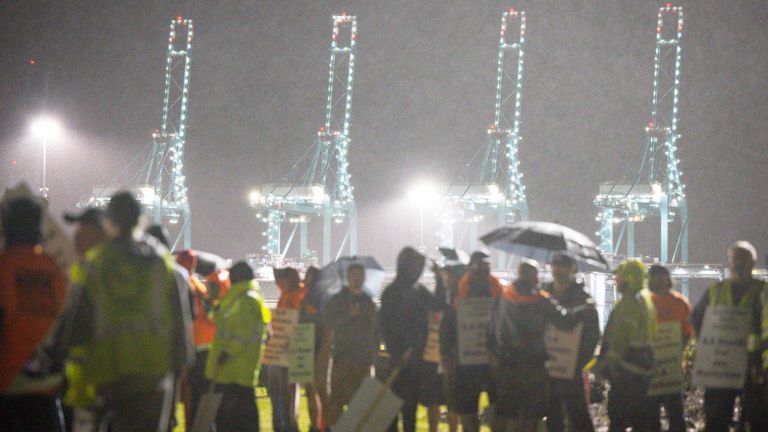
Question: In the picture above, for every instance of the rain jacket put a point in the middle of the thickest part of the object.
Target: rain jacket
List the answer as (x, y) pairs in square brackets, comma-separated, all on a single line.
[(404, 317), (631, 327), (590, 334), (519, 322), (240, 320), (127, 318)]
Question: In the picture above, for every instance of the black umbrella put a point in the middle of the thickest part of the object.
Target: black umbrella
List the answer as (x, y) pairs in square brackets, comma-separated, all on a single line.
[(541, 240)]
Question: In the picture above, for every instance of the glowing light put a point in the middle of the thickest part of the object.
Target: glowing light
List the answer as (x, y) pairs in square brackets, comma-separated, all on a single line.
[(46, 128)]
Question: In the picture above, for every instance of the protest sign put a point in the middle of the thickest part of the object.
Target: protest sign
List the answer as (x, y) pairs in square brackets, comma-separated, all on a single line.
[(372, 409), (301, 368), (668, 352), (472, 318), (721, 354), (432, 349), (277, 351), (562, 351)]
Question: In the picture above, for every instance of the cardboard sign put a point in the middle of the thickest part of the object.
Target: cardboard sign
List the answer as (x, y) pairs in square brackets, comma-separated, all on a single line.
[(206, 412), (668, 376), (301, 368), (562, 351), (277, 351), (372, 409), (472, 316), (432, 349), (721, 354)]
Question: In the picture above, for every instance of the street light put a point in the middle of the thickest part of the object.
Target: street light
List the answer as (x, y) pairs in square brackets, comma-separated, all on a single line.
[(423, 193), (45, 128)]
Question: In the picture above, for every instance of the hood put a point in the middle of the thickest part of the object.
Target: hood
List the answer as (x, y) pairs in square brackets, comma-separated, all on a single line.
[(633, 271)]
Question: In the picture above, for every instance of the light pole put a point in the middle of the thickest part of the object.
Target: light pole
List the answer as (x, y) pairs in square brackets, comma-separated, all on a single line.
[(423, 194), (45, 128)]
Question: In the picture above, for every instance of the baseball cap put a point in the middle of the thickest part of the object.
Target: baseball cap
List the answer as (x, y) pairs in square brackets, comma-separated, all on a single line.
[(89, 216)]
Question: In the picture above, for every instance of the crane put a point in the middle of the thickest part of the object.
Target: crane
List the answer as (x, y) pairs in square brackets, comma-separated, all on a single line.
[(319, 186), (160, 184), (656, 187), (492, 184)]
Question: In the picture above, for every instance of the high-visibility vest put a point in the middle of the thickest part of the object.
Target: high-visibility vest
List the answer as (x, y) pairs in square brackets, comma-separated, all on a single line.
[(132, 334), (240, 321), (721, 294)]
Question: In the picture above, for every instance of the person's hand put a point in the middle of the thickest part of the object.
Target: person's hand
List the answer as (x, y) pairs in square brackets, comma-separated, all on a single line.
[(434, 267)]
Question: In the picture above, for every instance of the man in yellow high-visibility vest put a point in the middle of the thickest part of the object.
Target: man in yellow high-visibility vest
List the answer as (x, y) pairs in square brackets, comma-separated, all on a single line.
[(740, 289), (129, 328)]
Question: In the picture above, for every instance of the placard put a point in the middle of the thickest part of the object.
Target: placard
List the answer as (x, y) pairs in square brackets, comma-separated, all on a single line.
[(301, 368), (668, 376), (372, 409), (277, 351), (721, 354), (432, 348), (562, 351), (472, 317)]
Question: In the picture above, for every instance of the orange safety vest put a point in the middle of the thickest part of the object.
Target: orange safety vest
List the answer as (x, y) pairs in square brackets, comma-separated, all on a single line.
[(202, 326), (495, 288), (32, 293)]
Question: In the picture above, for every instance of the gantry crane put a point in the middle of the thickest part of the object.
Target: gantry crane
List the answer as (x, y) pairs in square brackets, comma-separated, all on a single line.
[(656, 188), (319, 187), (160, 185), (492, 184)]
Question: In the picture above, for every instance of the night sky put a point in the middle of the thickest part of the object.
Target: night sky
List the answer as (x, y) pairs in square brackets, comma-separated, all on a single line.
[(423, 98)]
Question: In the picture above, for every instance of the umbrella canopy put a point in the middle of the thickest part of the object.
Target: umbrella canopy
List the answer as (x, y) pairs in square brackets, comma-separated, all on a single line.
[(333, 276), (207, 262), (541, 240)]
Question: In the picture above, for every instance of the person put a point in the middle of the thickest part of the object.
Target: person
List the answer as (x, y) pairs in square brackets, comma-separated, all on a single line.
[(282, 393), (203, 330), (474, 379), (32, 295), (89, 229), (446, 284), (130, 324), (516, 342), (235, 355), (626, 355), (309, 312), (405, 309), (741, 290), (350, 338), (671, 307), (89, 232), (570, 394)]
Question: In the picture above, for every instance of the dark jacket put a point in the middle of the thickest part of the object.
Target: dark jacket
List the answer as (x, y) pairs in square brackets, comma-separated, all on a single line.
[(518, 325), (590, 333), (404, 317)]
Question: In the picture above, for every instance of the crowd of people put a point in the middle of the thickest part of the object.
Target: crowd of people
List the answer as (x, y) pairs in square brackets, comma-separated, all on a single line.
[(118, 340)]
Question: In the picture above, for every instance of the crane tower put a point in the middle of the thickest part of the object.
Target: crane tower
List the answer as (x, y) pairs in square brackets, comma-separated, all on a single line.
[(492, 182), (319, 186), (656, 188), (160, 185)]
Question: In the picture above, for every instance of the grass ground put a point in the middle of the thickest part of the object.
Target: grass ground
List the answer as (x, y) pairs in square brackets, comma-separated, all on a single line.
[(265, 415)]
